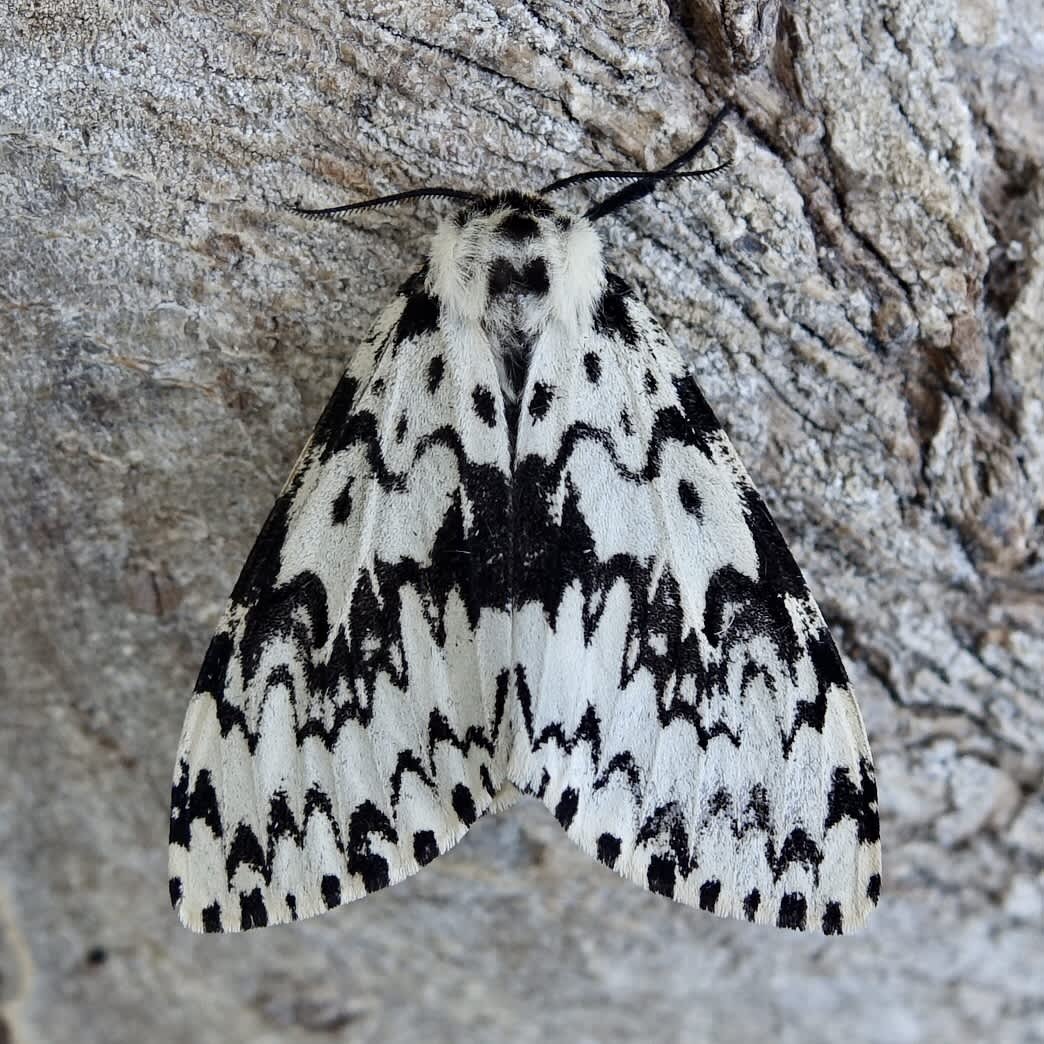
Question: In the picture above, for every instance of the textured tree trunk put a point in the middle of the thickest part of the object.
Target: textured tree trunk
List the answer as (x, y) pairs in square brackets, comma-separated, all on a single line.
[(862, 299)]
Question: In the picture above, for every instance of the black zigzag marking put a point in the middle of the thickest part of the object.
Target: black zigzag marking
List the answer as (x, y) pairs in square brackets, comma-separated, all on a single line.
[(623, 764), (470, 560), (847, 801), (360, 859), (552, 555), (188, 805), (666, 827), (587, 730), (407, 761), (440, 730)]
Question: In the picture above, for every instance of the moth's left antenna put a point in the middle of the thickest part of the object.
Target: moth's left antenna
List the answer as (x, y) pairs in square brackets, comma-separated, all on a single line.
[(387, 201)]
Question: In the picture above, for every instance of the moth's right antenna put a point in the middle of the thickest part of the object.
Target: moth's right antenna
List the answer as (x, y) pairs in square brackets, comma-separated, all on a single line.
[(644, 182)]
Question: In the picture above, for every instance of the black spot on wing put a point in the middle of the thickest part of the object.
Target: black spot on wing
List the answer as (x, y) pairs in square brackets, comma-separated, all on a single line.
[(540, 401), (738, 608), (261, 569), (212, 918), (436, 368), (829, 672), (827, 661), (777, 570), (797, 847), (873, 889), (709, 892), (281, 820), (758, 807), (650, 382), (485, 405), (425, 847), (608, 850), (690, 499), (832, 921), (407, 761), (298, 608), (661, 875), (793, 910), (331, 890), (174, 884), (566, 808), (593, 367), (252, 911), (625, 423), (377, 386), (374, 870), (464, 804), (751, 902), (622, 763), (401, 428), (721, 801)]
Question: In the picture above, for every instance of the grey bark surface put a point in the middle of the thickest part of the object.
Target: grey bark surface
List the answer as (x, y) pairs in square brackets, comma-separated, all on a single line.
[(862, 299)]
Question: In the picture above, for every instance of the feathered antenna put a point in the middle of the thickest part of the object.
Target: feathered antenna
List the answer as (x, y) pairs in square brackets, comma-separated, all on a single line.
[(387, 201), (644, 182)]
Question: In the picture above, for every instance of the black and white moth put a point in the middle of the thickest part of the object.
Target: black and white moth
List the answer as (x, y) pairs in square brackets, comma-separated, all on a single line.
[(519, 555)]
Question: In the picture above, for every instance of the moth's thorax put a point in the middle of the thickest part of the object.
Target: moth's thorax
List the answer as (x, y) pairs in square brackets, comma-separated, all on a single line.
[(512, 244), (513, 265)]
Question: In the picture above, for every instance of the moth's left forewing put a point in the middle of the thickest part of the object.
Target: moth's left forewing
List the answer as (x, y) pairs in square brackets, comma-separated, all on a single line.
[(682, 707), (345, 726)]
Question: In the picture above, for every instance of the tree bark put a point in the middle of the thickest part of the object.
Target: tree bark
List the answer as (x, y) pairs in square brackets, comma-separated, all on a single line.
[(862, 299)]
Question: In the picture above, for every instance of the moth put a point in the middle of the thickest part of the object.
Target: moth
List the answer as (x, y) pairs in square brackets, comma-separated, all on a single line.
[(519, 556)]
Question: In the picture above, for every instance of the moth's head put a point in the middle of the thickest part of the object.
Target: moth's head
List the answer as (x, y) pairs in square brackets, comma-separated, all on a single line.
[(498, 248), (513, 246)]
